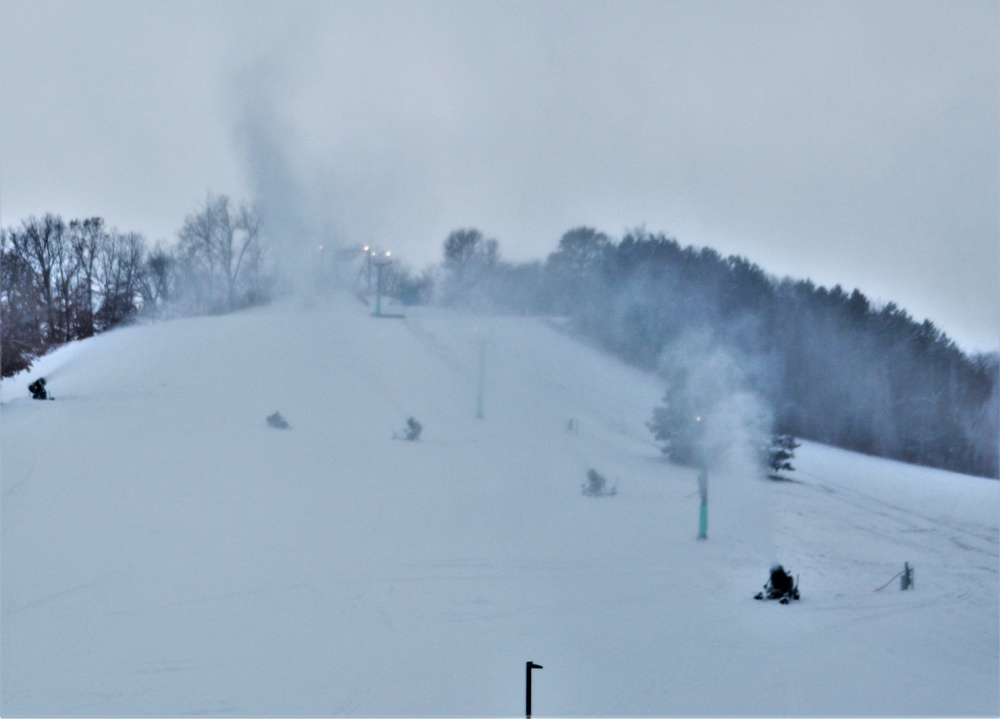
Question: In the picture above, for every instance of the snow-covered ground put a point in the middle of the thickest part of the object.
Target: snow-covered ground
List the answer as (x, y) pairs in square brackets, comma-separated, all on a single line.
[(166, 552)]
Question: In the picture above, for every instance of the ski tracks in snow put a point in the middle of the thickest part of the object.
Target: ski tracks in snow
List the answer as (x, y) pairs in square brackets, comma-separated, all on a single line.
[(101, 586), (916, 529), (438, 348)]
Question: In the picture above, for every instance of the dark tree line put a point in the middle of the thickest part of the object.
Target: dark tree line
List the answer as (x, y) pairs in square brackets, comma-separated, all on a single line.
[(62, 281), (832, 366)]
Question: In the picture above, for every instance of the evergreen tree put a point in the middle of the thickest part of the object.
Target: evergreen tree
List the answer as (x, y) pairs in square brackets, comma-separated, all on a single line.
[(780, 452), (678, 425)]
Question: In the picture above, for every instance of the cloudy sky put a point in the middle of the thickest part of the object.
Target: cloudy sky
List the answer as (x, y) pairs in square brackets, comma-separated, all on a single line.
[(848, 142)]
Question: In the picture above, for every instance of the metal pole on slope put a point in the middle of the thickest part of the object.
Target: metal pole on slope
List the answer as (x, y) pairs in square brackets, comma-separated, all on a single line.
[(379, 266), (368, 266), (480, 388), (703, 509), (527, 685)]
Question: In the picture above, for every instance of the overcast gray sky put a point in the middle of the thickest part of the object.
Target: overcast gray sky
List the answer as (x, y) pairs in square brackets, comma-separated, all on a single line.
[(849, 142)]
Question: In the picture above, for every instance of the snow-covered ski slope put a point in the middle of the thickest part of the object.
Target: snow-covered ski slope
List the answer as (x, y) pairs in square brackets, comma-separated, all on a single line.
[(166, 552)]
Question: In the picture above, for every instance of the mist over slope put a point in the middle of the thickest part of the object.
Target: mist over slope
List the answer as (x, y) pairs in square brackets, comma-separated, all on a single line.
[(833, 366), (166, 552)]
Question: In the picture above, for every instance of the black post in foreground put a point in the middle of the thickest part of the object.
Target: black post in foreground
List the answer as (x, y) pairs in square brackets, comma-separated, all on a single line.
[(527, 676)]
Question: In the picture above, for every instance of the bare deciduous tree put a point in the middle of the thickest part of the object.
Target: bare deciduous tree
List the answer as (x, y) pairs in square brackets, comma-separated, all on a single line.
[(158, 280), (222, 245), (21, 337), (39, 242), (86, 238), (120, 266)]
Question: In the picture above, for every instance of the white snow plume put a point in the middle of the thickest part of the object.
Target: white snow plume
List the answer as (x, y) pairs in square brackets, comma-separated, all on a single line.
[(734, 423), (301, 240), (326, 182), (735, 430), (717, 384), (306, 197)]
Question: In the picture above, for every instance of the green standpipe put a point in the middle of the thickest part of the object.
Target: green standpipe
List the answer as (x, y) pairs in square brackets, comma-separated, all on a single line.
[(703, 511)]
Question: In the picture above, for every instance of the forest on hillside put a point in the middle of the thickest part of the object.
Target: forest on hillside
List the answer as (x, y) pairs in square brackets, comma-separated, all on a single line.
[(831, 365)]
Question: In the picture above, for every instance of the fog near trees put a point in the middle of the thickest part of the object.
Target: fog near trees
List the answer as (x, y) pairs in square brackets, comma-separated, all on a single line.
[(711, 414), (828, 364)]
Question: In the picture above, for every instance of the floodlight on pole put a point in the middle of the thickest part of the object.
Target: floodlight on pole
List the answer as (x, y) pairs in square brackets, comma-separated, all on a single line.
[(368, 266)]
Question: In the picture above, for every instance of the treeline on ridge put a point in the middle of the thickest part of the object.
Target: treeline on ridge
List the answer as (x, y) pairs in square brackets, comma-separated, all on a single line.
[(62, 281), (833, 366)]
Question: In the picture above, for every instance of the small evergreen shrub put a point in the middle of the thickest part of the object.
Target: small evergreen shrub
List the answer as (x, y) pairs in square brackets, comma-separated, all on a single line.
[(779, 455)]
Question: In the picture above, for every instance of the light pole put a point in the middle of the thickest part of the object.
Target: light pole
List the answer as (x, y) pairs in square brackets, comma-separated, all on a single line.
[(368, 266)]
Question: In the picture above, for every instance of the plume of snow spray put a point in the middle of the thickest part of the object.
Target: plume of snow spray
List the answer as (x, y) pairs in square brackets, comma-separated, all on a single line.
[(733, 423), (298, 238)]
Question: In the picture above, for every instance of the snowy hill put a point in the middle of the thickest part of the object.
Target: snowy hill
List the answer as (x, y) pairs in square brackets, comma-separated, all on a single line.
[(166, 552)]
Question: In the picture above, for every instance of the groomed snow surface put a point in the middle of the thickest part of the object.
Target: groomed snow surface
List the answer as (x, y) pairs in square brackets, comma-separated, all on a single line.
[(166, 552)]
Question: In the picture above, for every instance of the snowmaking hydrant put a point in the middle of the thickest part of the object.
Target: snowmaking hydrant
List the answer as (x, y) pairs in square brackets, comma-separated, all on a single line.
[(703, 509), (906, 580)]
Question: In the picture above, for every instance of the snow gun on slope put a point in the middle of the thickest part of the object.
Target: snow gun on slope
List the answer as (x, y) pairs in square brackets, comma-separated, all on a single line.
[(780, 586), (38, 391)]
